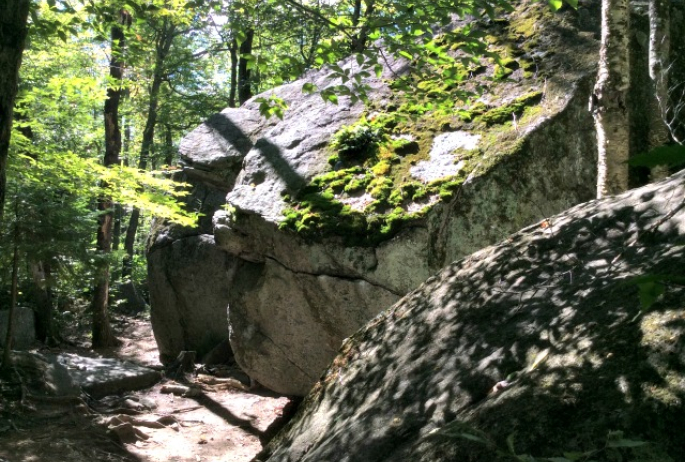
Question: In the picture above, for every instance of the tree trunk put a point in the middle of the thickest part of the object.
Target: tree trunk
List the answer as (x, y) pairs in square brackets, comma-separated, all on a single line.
[(13, 17), (234, 72), (103, 336), (244, 80), (40, 275), (358, 44), (162, 46), (116, 230), (9, 337), (659, 55), (609, 100), (168, 145)]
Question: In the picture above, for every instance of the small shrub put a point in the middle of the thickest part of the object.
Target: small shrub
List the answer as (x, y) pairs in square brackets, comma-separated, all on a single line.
[(358, 141)]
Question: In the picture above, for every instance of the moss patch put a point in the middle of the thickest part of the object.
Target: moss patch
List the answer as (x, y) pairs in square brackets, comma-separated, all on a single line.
[(505, 112), (371, 160)]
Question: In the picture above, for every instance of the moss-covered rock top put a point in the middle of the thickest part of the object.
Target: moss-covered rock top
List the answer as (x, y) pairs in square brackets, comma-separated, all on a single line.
[(384, 173)]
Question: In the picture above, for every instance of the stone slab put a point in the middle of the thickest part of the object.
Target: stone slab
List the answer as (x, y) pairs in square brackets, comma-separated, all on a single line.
[(106, 376)]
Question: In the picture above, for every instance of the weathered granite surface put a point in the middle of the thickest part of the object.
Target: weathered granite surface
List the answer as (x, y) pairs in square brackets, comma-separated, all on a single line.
[(560, 339), (106, 376)]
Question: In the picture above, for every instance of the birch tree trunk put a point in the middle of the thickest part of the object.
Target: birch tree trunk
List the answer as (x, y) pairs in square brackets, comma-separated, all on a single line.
[(659, 55), (609, 100), (13, 17)]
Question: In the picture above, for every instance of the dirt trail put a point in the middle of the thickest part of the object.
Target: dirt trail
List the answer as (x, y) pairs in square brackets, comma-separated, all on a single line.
[(219, 424)]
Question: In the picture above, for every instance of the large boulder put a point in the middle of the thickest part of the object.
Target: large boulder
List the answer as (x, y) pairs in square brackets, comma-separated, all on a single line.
[(190, 296), (293, 286), (566, 338)]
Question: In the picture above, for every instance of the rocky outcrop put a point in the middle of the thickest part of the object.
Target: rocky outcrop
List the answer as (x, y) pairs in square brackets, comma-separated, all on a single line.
[(292, 296), (566, 338)]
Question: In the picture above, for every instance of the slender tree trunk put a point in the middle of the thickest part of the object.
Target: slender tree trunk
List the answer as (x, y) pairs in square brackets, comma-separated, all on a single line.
[(119, 211), (13, 18), (358, 44), (659, 55), (103, 335), (164, 40), (168, 146), (126, 146), (609, 100), (234, 72), (244, 80), (9, 337), (40, 275), (116, 229)]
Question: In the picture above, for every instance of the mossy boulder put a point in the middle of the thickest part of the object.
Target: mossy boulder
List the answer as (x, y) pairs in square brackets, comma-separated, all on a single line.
[(566, 338), (313, 217)]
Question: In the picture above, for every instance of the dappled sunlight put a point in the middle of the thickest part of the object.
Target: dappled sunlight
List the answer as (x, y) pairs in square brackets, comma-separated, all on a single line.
[(540, 335)]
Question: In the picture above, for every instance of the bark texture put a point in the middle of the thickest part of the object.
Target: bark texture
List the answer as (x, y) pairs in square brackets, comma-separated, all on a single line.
[(13, 17), (659, 55), (609, 99), (41, 276), (234, 72), (244, 72)]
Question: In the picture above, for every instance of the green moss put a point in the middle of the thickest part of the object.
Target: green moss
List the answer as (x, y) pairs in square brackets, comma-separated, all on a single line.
[(382, 168), (358, 183), (504, 113), (380, 188), (404, 146), (505, 67), (375, 155)]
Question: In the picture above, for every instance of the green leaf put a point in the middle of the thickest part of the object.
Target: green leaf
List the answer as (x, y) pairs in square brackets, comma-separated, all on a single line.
[(308, 88), (331, 97), (469, 436), (556, 4), (649, 292)]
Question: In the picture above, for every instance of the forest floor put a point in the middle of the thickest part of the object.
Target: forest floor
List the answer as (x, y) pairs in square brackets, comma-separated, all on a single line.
[(218, 424)]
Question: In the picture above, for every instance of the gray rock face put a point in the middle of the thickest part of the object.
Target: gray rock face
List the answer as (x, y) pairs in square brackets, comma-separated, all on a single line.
[(543, 337), (190, 296), (291, 301), (278, 317), (24, 328), (105, 376), (45, 375)]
